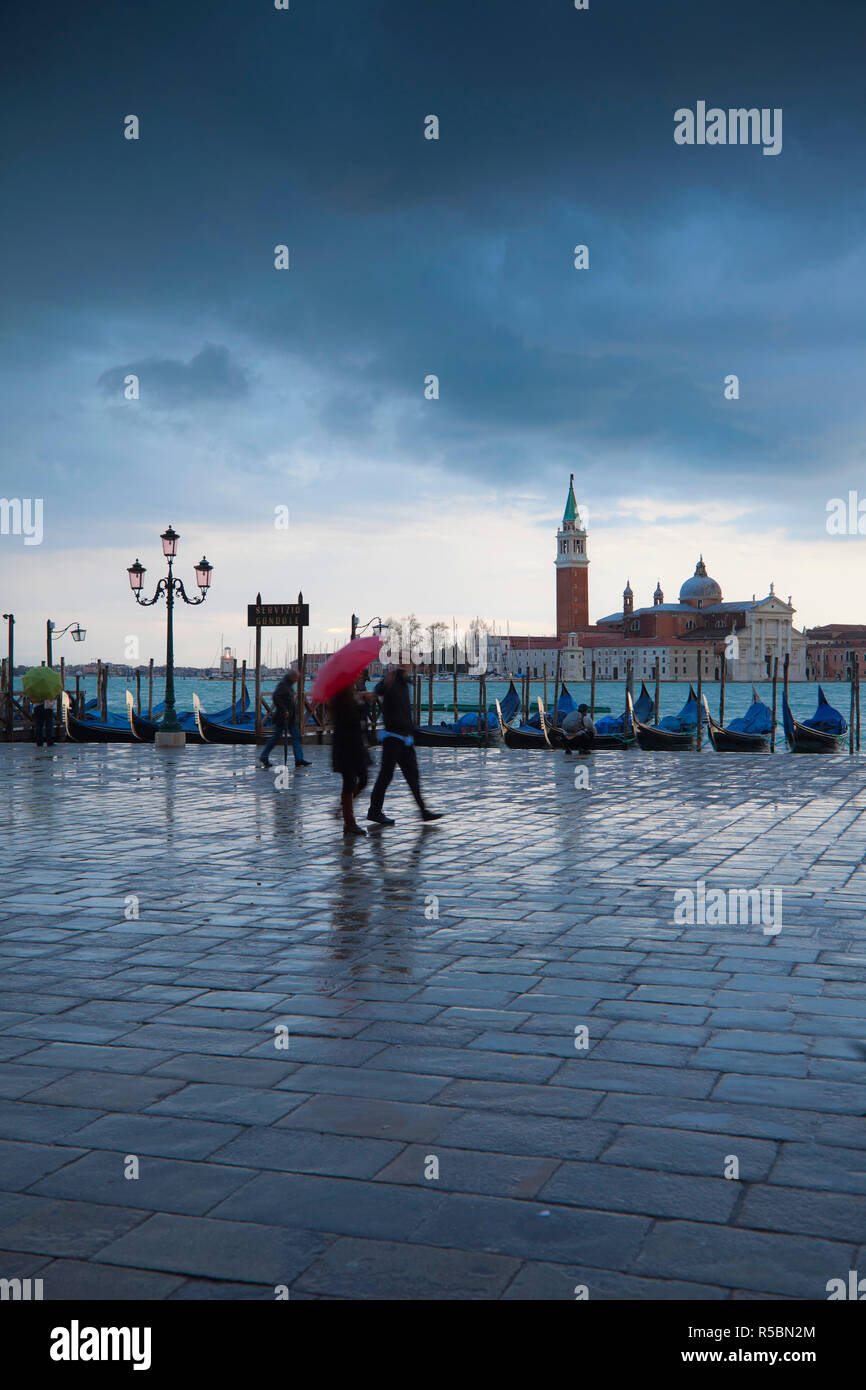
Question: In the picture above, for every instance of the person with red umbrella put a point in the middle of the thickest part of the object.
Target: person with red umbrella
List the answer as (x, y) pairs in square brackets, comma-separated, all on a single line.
[(349, 753), (335, 682)]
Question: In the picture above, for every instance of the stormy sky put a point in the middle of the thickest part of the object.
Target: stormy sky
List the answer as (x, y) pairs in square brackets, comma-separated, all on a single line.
[(305, 388)]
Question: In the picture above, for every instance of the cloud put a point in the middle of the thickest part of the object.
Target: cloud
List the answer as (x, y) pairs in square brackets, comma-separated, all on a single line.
[(168, 384)]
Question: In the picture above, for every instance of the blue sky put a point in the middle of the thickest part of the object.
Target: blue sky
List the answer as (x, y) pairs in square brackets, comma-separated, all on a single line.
[(305, 388)]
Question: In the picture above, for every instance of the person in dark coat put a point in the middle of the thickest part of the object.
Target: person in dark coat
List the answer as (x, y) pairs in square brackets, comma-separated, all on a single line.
[(43, 723), (349, 754), (398, 745), (285, 718)]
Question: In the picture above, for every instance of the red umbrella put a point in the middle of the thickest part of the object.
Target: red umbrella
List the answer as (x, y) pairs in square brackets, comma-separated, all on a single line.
[(344, 667)]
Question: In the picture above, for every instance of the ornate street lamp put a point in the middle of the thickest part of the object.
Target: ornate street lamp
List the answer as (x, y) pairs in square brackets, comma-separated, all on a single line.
[(170, 732)]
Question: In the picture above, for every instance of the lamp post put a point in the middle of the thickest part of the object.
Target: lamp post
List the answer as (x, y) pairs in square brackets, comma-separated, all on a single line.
[(358, 629), (10, 678), (170, 734), (78, 635)]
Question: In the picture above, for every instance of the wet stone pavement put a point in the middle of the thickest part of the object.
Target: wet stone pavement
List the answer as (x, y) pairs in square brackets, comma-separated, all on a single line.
[(295, 1035)]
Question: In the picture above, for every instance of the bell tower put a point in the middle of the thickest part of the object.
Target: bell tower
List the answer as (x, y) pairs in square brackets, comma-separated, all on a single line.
[(572, 565)]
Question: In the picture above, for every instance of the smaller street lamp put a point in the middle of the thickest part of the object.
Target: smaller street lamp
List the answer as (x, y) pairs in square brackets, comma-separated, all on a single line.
[(358, 628), (78, 635)]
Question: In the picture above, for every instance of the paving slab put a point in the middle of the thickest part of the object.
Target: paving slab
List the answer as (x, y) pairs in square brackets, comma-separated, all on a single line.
[(367, 1269)]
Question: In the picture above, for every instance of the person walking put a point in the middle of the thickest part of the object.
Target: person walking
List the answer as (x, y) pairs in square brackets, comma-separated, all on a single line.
[(578, 730), (349, 754), (43, 722), (285, 718), (398, 745)]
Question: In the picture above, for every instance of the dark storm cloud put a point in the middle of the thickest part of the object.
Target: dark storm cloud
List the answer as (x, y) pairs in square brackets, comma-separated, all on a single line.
[(454, 257), (165, 383)]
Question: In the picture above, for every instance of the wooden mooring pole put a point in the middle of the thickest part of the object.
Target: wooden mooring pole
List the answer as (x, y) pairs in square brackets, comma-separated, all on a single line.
[(592, 690), (150, 690), (234, 689), (258, 707), (301, 708), (775, 684)]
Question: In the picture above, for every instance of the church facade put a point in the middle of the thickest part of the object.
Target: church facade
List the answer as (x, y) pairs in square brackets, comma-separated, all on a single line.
[(695, 634)]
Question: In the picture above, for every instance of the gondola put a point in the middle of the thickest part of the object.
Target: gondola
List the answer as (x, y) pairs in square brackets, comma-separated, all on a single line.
[(201, 728), (612, 741), (115, 729), (463, 733), (617, 733), (429, 736), (653, 738), (686, 722), (804, 738), (213, 732), (564, 704), (733, 740), (524, 737)]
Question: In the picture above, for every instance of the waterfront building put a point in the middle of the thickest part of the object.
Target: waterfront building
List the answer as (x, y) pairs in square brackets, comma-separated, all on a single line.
[(697, 632), (834, 650)]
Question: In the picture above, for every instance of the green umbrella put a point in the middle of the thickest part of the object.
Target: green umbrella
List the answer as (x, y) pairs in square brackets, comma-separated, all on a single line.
[(41, 683)]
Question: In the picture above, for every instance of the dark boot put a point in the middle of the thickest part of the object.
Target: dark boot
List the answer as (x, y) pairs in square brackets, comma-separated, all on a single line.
[(350, 825)]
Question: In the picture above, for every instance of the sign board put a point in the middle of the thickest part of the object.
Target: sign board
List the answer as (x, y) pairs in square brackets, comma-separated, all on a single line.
[(278, 615)]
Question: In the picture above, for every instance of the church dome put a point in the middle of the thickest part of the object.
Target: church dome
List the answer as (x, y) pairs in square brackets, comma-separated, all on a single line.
[(701, 589)]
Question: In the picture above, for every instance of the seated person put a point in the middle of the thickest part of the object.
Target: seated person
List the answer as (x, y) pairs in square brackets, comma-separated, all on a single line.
[(578, 730)]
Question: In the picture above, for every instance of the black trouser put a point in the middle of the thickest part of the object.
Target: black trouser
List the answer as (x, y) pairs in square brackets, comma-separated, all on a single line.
[(43, 726), (395, 753)]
